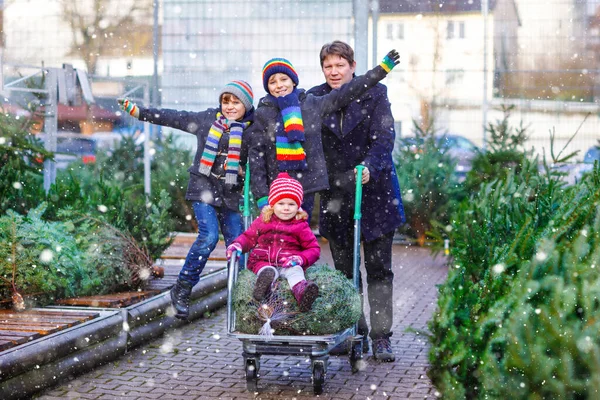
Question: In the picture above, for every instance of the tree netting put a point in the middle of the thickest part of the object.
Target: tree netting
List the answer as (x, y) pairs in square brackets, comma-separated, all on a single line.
[(338, 306)]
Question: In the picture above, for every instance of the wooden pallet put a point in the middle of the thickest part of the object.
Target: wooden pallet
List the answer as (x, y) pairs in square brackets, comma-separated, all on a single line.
[(114, 300), (18, 328)]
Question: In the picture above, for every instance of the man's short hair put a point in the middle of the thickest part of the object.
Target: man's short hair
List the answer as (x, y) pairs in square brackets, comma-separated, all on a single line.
[(338, 48)]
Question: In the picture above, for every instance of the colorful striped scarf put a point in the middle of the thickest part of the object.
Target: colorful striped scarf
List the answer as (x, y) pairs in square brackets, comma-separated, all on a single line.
[(290, 134), (211, 147)]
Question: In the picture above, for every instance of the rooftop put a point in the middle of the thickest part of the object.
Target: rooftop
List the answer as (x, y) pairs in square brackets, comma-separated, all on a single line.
[(432, 6)]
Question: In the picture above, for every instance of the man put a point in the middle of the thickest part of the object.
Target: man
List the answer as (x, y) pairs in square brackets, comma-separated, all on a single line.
[(361, 133)]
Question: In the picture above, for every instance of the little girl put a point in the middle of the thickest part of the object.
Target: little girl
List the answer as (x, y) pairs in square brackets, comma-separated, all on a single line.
[(282, 243)]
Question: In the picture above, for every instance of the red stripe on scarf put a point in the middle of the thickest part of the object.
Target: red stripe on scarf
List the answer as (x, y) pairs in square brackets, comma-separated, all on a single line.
[(290, 157), (294, 127)]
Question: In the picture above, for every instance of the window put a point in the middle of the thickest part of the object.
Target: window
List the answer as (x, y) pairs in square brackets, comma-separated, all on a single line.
[(454, 76), (395, 31), (450, 30), (400, 31), (455, 30)]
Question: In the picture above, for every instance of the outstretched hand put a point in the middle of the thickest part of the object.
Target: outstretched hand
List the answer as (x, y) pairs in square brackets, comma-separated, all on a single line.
[(390, 60), (129, 107)]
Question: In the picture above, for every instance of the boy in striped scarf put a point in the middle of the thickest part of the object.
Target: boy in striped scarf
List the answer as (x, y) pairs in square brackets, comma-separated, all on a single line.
[(215, 185)]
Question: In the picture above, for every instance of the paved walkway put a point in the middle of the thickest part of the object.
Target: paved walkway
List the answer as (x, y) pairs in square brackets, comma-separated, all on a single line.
[(199, 361)]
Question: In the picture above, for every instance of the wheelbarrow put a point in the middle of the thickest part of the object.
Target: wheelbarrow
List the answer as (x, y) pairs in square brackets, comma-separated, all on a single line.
[(315, 347)]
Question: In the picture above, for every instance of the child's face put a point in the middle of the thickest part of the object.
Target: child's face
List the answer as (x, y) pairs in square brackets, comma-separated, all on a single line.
[(285, 209), (280, 85), (232, 107)]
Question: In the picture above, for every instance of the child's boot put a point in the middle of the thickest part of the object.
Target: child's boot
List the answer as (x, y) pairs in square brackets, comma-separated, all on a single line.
[(180, 298), (305, 292), (264, 280)]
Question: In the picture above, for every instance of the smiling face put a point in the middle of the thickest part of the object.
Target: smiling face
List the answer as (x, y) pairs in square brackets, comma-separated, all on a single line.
[(285, 209), (337, 70), (232, 107), (280, 85)]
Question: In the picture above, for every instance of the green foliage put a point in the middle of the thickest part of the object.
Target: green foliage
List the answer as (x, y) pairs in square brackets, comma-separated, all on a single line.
[(338, 306), (510, 315), (169, 173), (20, 164), (505, 152), (429, 187), (53, 260), (545, 342), (123, 207), (124, 167), (103, 204)]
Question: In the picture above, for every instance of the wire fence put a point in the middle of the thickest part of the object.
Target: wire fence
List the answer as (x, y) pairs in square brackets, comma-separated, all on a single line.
[(539, 56)]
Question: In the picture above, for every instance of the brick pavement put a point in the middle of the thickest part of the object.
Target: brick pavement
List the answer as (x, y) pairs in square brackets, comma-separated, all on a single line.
[(199, 361)]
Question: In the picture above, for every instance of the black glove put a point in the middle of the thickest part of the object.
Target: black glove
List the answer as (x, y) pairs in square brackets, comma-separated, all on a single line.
[(390, 60)]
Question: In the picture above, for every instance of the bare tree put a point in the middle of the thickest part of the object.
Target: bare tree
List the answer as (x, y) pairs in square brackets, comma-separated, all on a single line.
[(429, 92), (108, 27)]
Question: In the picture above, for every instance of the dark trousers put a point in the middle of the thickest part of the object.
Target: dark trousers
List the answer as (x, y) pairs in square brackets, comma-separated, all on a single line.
[(308, 204), (380, 278)]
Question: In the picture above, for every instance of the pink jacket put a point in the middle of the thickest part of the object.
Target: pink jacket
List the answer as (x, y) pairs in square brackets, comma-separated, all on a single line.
[(271, 241)]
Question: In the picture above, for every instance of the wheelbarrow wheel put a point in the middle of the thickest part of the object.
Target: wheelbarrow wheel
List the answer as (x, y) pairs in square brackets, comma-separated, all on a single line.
[(252, 375), (356, 354), (318, 376)]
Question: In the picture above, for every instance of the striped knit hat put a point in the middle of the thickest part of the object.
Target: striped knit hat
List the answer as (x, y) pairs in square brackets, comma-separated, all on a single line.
[(240, 89), (285, 187), (278, 65)]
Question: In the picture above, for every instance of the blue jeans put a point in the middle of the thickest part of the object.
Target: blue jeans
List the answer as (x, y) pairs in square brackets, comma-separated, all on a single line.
[(209, 218)]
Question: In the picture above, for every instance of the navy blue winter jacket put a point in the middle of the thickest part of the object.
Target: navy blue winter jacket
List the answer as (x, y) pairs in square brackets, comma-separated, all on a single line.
[(360, 133)]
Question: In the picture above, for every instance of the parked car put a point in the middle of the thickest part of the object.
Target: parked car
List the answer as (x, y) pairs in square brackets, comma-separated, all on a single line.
[(74, 146), (106, 140), (458, 147), (71, 147), (573, 171), (593, 154), (461, 149)]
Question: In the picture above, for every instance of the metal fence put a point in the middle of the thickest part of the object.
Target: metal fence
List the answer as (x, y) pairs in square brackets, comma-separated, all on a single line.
[(459, 64)]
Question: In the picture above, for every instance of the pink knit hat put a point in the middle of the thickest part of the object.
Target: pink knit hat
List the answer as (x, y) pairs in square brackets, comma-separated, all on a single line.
[(285, 187)]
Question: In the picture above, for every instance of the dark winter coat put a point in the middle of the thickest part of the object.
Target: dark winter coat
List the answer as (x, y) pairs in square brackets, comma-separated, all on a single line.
[(271, 241), (206, 189), (262, 153), (361, 133)]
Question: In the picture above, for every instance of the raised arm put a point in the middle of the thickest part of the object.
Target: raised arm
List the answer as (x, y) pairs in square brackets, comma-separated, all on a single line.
[(339, 98), (183, 120)]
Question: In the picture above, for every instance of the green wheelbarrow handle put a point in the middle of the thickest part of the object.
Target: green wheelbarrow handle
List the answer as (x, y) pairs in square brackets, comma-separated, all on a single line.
[(358, 199)]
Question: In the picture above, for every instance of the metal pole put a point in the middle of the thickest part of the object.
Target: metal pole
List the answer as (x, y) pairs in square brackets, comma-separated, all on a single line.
[(484, 106), (375, 19), (361, 35), (50, 126), (154, 102), (147, 145)]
